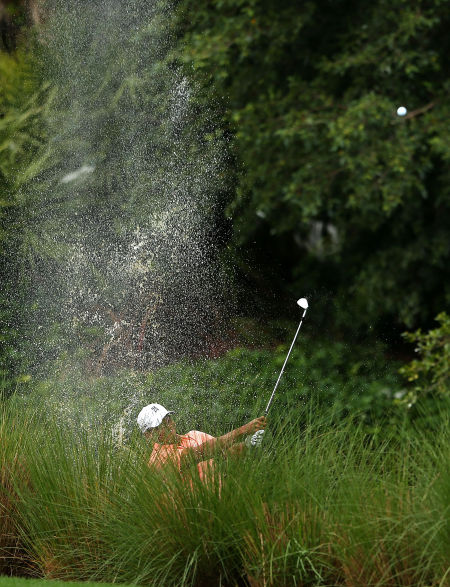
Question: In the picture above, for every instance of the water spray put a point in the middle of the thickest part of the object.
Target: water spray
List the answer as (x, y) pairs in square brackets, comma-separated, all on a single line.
[(256, 439)]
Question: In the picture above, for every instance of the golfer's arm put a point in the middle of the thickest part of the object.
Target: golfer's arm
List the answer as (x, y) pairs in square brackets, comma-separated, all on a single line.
[(231, 438), (207, 449)]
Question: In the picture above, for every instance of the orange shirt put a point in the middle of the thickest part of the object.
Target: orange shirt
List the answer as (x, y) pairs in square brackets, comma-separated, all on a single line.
[(161, 453)]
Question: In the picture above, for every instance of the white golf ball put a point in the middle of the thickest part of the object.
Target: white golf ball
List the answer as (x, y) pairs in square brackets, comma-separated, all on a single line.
[(401, 111)]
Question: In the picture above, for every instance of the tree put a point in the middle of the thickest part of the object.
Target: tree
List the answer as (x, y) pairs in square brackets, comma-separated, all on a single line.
[(334, 186)]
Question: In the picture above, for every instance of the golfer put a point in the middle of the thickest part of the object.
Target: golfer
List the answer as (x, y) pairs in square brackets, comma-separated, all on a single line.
[(158, 426)]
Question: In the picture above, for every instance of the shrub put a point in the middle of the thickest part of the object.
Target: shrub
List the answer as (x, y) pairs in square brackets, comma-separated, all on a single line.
[(430, 373)]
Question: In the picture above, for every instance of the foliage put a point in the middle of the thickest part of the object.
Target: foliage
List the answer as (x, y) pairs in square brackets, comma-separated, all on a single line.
[(23, 99), (430, 373), (325, 506), (335, 188)]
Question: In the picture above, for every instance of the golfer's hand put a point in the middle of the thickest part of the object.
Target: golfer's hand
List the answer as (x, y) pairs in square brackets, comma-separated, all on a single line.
[(255, 425)]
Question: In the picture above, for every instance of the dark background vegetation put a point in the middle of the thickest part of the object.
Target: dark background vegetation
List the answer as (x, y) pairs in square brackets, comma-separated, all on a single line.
[(334, 191), (327, 194)]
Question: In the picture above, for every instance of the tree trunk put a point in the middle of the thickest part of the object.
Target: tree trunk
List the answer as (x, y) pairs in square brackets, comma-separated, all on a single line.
[(15, 16)]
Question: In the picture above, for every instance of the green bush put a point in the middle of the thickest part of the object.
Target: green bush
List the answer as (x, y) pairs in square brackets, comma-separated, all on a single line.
[(430, 374)]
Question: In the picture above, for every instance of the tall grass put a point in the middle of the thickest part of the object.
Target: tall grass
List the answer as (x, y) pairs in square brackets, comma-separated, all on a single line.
[(14, 474), (317, 505)]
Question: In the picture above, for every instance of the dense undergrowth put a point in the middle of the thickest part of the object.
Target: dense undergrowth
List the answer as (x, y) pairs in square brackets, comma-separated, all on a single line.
[(321, 503), (217, 394)]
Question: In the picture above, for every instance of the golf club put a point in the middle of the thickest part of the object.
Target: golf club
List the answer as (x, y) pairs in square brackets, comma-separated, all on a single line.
[(303, 303), (257, 438)]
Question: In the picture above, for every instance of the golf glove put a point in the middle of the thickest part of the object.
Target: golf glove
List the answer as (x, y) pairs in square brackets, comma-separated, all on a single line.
[(255, 440)]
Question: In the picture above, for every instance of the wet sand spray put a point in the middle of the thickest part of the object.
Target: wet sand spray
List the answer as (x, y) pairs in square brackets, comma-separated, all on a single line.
[(124, 198)]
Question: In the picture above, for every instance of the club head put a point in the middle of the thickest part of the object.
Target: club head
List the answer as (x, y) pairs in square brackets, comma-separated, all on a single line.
[(303, 303)]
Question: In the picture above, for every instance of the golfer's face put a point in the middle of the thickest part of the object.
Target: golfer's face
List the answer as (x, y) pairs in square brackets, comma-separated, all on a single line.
[(166, 431)]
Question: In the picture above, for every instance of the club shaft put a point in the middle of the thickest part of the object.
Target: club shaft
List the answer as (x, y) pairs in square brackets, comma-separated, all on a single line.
[(284, 365)]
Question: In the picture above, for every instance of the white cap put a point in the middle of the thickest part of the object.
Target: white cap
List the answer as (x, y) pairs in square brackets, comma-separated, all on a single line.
[(151, 416)]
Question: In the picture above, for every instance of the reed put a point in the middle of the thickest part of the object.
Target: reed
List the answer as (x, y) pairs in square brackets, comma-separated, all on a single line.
[(317, 505), (14, 558)]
